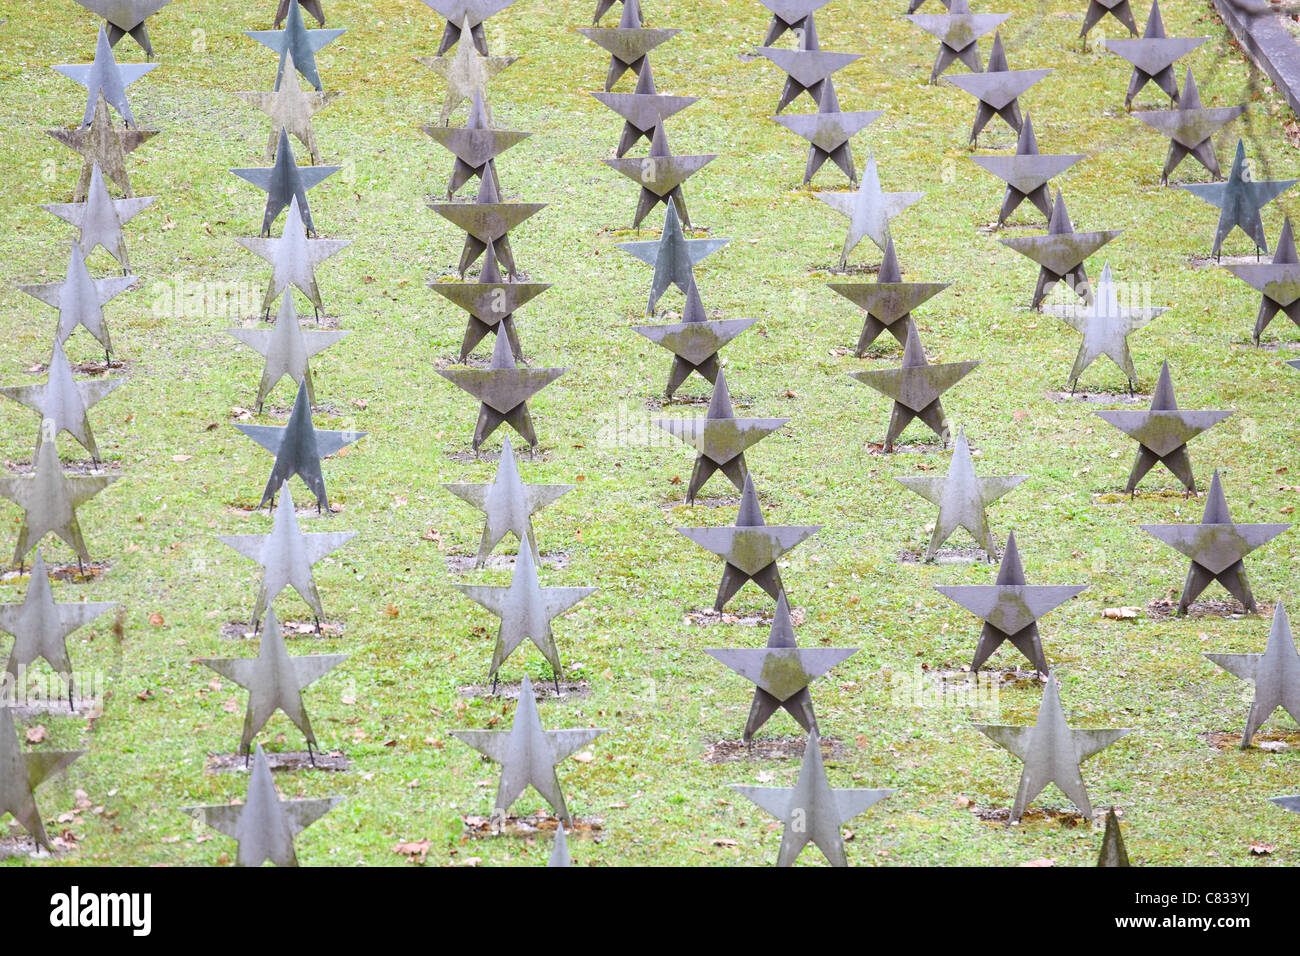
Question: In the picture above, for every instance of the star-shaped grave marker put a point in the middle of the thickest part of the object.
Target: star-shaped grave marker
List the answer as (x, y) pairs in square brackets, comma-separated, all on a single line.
[(1061, 253), (1027, 173), (672, 256), (694, 341), (888, 301), (1275, 674)]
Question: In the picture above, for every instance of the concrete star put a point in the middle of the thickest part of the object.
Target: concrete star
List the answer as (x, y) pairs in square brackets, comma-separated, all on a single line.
[(1119, 9), (962, 498), (958, 32), (1278, 282), (628, 43), (21, 774), (465, 16), (811, 811), (781, 672), (1027, 173), (1239, 201), (526, 610), (1153, 56), (41, 628), (476, 146), (467, 74), (490, 302), (287, 350), (275, 681), (49, 500), (1112, 843), (828, 132), (888, 301), (694, 341), (792, 15), (487, 222), (286, 556), (296, 45), (103, 145), (61, 402), (643, 110), (81, 299), (997, 89), (915, 389), (1061, 254), (1190, 129), (503, 390), (672, 256), (123, 17), (264, 825), (1275, 674), (284, 182), (869, 210), (293, 258), (749, 548), (1105, 328), (660, 176), (508, 505), (105, 77), (720, 438), (1162, 433), (298, 448), (808, 68), (1217, 548), (528, 754), (1010, 609), (100, 217), (291, 108), (1051, 752)]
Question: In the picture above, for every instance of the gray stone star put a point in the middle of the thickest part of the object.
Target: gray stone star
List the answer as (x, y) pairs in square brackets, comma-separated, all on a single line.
[(465, 16), (1027, 173), (508, 505), (1061, 254), (1278, 282), (291, 108), (869, 210), (694, 341), (660, 176), (1275, 674), (102, 144), (643, 110), (106, 77), (62, 402), (1162, 433), (962, 499), (526, 610), (467, 75), (1105, 328), (49, 500), (916, 388), (1010, 609), (997, 90), (476, 146), (888, 301), (487, 222), (1190, 129), (781, 672), (100, 218), (81, 299), (286, 556), (1239, 200), (503, 390), (40, 627), (1051, 752), (749, 549), (1217, 548), (672, 256), (20, 775), (810, 810), (1153, 56), (287, 349), (491, 304), (298, 448), (296, 45), (628, 43), (808, 68), (829, 132), (528, 754), (293, 258), (274, 681), (958, 32), (285, 182), (264, 825), (720, 438), (123, 17)]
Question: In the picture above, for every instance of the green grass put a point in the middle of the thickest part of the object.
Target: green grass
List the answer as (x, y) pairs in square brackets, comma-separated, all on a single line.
[(413, 640)]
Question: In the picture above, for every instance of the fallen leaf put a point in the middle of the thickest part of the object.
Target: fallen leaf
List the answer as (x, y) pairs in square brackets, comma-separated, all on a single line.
[(36, 734)]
